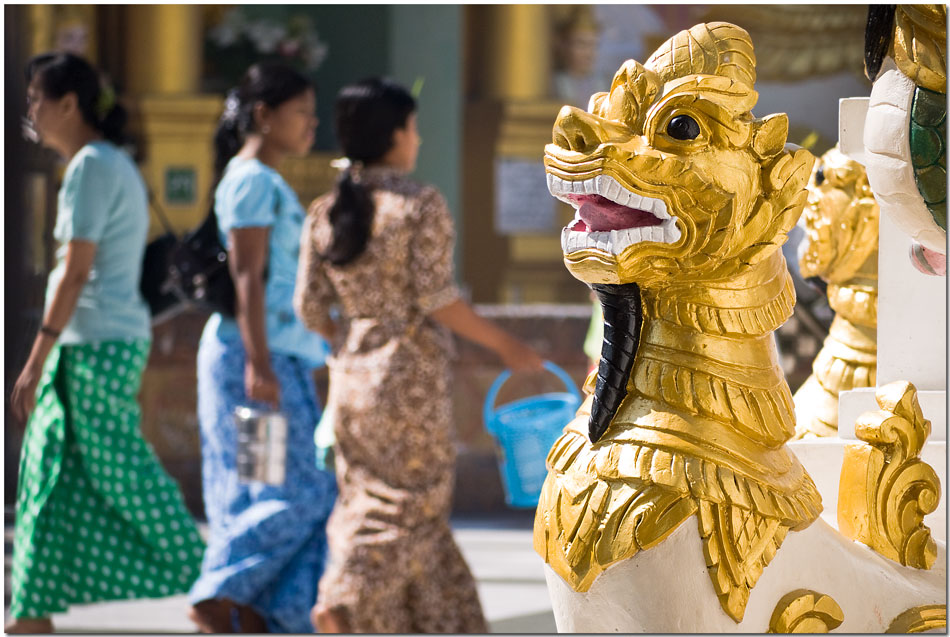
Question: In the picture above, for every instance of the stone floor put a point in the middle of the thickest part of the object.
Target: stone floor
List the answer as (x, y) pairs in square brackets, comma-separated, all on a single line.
[(498, 549)]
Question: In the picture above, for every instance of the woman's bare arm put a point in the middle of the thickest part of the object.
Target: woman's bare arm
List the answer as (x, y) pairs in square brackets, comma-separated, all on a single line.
[(247, 258), (80, 255), (459, 317)]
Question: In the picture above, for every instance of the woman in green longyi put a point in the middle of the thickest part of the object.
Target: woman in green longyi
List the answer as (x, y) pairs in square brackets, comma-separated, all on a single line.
[(97, 518)]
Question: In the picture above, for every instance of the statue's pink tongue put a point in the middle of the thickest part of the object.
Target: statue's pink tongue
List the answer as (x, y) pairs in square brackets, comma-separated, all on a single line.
[(601, 214)]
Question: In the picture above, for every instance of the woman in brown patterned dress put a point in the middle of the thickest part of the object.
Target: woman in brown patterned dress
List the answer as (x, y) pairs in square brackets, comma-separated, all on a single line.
[(379, 248)]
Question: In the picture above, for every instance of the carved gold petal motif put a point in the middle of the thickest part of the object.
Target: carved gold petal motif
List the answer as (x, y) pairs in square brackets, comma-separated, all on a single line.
[(805, 611), (885, 488), (713, 48), (920, 619), (738, 544), (920, 44)]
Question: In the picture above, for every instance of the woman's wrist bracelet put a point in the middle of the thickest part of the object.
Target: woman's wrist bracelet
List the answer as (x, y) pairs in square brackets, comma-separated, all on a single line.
[(49, 331)]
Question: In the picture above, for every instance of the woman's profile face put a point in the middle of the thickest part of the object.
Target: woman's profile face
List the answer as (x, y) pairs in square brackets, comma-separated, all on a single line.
[(46, 115), (292, 125), (406, 142)]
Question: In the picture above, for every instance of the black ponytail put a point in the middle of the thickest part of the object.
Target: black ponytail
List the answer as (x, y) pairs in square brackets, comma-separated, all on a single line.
[(58, 74), (269, 83), (367, 115), (351, 217)]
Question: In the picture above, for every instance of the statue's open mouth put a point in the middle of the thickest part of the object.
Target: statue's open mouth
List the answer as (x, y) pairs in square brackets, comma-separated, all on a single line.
[(609, 217)]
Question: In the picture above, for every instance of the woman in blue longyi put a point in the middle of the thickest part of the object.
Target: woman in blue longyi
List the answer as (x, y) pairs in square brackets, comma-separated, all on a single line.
[(267, 544)]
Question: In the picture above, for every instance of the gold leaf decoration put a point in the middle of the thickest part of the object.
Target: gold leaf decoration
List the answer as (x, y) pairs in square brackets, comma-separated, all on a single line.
[(885, 488), (920, 619), (738, 544), (920, 44), (805, 611)]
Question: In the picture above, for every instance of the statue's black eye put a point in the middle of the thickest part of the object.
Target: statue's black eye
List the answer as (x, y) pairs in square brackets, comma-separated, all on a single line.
[(683, 127), (820, 175)]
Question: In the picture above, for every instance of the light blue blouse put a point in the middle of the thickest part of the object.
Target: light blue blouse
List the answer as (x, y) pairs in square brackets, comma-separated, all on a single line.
[(103, 200), (252, 194)]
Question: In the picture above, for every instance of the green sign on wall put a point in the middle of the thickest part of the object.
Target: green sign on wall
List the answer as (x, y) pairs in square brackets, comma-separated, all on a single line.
[(180, 185)]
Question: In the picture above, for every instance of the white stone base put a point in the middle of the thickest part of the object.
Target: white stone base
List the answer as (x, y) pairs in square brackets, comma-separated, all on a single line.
[(667, 588)]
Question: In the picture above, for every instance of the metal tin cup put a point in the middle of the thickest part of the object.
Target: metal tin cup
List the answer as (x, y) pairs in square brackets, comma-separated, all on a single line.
[(261, 445)]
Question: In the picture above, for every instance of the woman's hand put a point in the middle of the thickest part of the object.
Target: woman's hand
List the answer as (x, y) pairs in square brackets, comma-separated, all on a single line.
[(23, 399), (261, 384), (520, 357)]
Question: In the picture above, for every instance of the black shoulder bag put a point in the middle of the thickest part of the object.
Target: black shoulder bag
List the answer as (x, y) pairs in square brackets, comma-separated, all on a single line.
[(187, 273)]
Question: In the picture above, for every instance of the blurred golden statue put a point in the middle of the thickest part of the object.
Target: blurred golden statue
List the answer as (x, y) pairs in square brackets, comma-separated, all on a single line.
[(841, 223)]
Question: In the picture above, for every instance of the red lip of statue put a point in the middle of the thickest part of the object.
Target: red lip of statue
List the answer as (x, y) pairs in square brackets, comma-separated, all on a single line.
[(599, 214)]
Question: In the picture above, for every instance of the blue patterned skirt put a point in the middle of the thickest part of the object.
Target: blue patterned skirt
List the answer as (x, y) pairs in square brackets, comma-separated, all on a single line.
[(267, 545)]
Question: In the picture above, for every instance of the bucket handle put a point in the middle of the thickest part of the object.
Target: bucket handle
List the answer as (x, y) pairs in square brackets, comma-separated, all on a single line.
[(488, 409)]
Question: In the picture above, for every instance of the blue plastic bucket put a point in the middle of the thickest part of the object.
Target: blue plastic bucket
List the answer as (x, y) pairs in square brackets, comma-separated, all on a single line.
[(525, 430)]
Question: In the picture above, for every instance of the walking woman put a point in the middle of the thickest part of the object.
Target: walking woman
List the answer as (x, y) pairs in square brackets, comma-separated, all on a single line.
[(380, 248), (97, 518), (267, 543)]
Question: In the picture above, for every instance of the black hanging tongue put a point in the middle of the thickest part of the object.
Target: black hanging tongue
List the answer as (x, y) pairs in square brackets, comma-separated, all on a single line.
[(622, 321)]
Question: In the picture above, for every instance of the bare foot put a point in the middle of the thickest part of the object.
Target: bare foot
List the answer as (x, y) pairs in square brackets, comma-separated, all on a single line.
[(212, 615), (27, 625), (328, 621)]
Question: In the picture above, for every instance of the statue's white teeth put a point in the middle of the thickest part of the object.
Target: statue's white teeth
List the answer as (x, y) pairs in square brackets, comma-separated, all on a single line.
[(616, 241), (572, 192), (578, 236)]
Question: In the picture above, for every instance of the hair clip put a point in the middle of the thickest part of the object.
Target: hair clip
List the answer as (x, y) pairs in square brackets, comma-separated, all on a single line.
[(106, 101), (232, 106)]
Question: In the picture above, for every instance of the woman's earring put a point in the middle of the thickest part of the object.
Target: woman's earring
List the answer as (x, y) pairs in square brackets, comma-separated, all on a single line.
[(265, 129)]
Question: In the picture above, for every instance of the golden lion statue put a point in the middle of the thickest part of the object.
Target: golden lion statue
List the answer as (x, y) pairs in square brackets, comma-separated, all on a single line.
[(841, 225), (683, 199)]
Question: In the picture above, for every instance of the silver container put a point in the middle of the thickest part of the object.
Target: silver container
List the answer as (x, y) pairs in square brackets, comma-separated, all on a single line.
[(261, 445)]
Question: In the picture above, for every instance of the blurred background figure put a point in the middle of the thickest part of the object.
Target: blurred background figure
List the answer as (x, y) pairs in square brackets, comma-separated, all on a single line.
[(97, 516), (576, 40), (267, 543), (379, 248)]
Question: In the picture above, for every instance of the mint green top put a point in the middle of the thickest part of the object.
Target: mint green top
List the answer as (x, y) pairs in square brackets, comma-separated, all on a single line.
[(103, 200)]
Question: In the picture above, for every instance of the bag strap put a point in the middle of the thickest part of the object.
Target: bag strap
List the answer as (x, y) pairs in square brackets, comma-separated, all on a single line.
[(153, 201)]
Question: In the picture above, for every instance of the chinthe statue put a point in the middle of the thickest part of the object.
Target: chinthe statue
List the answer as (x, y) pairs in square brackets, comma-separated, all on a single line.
[(672, 502), (841, 228), (906, 131)]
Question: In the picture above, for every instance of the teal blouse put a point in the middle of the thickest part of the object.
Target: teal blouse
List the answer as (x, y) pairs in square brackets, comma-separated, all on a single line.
[(103, 200)]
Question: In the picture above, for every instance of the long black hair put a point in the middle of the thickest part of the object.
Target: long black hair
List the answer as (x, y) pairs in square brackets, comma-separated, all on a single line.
[(367, 115), (58, 74), (270, 83)]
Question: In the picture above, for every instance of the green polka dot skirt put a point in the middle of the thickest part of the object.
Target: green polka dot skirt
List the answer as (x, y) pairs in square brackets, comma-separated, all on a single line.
[(97, 517)]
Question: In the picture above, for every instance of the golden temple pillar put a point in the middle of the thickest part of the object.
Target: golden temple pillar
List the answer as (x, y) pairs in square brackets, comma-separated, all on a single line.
[(69, 27), (519, 57), (164, 48), (511, 225), (175, 121)]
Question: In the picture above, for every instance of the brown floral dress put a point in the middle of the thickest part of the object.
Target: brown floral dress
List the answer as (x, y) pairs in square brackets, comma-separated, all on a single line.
[(394, 567)]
